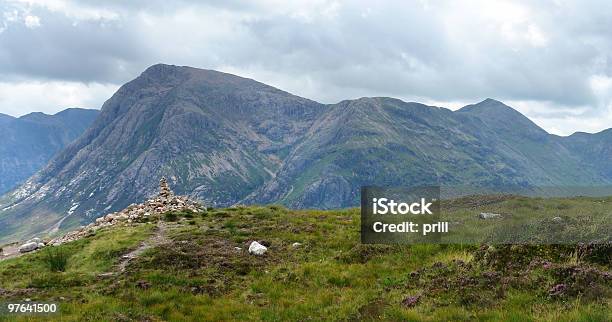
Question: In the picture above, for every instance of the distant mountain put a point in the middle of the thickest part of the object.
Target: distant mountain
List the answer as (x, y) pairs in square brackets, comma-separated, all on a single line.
[(388, 142), (224, 139), (29, 142)]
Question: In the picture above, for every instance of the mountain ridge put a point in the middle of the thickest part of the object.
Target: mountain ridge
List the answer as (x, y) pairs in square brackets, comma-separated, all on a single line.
[(226, 139), (29, 141)]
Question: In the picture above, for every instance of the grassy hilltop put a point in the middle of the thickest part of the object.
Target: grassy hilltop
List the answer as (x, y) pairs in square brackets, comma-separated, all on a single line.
[(191, 269)]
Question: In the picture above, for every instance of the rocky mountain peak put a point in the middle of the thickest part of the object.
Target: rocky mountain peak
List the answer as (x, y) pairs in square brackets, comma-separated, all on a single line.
[(502, 116)]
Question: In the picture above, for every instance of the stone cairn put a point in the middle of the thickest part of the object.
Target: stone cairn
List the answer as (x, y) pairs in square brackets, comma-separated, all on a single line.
[(164, 202)]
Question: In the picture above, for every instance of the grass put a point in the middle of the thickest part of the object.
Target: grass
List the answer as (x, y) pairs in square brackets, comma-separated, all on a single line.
[(200, 275), (56, 258)]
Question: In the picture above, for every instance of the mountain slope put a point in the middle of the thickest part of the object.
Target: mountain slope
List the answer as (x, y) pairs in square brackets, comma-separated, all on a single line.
[(215, 136), (28, 142), (383, 141), (224, 139)]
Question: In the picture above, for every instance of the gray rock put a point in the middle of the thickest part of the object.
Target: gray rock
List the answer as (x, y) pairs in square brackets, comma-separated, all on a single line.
[(28, 247), (34, 240), (557, 219)]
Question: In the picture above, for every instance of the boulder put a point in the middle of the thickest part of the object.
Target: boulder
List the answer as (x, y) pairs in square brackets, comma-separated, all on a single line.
[(488, 215), (28, 247), (257, 249), (34, 240), (557, 219)]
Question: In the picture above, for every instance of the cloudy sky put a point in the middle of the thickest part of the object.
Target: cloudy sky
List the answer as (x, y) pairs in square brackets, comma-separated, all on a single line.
[(551, 60)]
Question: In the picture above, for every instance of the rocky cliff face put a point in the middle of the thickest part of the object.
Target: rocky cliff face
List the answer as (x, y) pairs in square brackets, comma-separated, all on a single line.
[(224, 139), (29, 142)]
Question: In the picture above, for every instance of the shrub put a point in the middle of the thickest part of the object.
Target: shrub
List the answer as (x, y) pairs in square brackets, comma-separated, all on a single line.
[(56, 259), (170, 216)]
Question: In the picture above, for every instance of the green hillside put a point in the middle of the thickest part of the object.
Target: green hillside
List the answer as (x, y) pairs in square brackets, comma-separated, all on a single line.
[(190, 269)]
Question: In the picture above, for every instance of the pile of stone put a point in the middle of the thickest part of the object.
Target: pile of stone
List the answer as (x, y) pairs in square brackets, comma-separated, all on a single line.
[(164, 202)]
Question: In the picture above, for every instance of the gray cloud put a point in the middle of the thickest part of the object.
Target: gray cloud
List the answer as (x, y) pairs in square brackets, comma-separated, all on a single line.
[(552, 58), (66, 49)]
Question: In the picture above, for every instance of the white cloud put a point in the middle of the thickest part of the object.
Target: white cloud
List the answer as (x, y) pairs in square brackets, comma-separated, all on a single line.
[(32, 21), (550, 58), (20, 98), (72, 9)]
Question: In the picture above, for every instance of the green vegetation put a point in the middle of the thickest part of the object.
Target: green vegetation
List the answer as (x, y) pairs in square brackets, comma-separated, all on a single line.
[(196, 272), (56, 258)]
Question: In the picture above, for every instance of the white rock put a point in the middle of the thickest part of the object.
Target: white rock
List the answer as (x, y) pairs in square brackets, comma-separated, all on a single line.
[(557, 219), (296, 245), (28, 247), (41, 245), (34, 240), (488, 215), (100, 220), (257, 249), (109, 217)]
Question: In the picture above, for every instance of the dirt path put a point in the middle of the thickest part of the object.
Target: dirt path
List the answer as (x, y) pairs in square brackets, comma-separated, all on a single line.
[(9, 251), (157, 239)]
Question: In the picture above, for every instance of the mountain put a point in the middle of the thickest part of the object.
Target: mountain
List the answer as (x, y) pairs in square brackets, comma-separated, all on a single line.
[(215, 136), (388, 142), (225, 139), (29, 142)]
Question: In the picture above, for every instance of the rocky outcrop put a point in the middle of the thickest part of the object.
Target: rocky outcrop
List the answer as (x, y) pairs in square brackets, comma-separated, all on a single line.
[(164, 202)]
